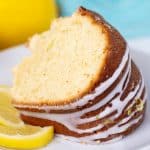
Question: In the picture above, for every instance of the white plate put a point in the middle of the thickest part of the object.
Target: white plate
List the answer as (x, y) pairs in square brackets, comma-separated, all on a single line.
[(140, 139)]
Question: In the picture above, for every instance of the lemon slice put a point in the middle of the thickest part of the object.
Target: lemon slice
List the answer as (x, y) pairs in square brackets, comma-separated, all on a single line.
[(25, 137), (14, 133), (5, 88), (9, 116), (5, 98)]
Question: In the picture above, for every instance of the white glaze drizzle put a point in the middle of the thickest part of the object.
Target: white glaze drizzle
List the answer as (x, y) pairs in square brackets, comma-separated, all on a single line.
[(115, 129), (104, 134), (91, 142), (116, 105), (71, 120), (133, 102)]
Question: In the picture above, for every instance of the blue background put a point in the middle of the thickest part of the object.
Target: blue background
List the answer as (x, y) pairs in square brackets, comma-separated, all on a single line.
[(130, 17)]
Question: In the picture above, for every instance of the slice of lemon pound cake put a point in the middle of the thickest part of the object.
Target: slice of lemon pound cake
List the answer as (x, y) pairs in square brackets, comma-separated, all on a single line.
[(65, 64), (80, 78)]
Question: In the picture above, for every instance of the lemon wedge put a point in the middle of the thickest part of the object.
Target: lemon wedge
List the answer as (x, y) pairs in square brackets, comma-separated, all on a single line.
[(5, 99), (25, 137), (13, 132), (9, 116), (4, 88)]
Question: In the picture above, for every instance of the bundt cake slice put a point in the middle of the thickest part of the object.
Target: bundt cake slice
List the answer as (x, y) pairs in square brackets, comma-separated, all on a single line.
[(66, 63), (80, 78)]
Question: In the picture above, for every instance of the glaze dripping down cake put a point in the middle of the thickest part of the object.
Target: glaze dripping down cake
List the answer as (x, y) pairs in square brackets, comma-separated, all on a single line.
[(81, 79)]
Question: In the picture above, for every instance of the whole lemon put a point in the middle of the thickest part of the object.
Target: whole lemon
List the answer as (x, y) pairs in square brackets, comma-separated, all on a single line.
[(19, 19)]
